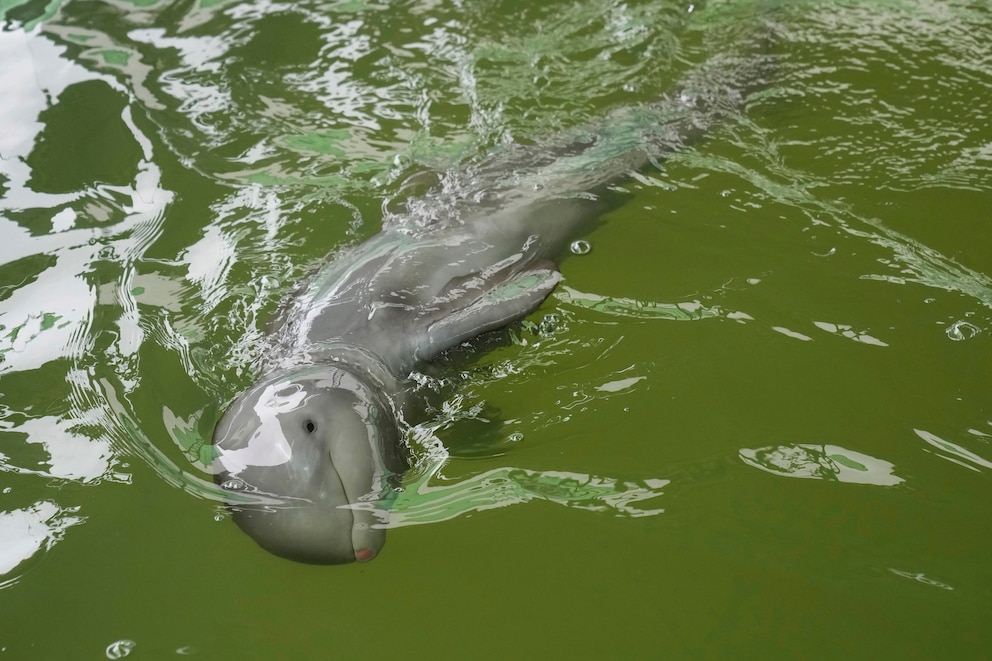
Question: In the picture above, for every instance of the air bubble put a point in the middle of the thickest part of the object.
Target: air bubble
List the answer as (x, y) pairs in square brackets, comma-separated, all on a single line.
[(120, 648), (234, 484), (962, 330), (580, 247), (515, 437)]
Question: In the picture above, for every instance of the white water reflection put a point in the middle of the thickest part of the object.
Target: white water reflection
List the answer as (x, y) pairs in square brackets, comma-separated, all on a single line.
[(821, 462), (796, 335), (848, 331), (26, 531), (954, 452), (58, 239), (67, 455), (920, 577)]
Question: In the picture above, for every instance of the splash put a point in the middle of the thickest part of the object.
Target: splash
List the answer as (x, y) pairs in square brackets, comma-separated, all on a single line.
[(831, 463), (430, 498)]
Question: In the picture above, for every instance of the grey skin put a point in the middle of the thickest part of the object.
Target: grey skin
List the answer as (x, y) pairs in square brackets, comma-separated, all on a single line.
[(316, 442)]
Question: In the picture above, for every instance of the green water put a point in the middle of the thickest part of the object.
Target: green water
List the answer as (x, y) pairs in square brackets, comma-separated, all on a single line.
[(753, 422)]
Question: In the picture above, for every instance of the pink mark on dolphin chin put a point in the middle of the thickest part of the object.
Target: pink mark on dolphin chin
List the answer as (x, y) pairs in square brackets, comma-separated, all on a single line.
[(364, 555)]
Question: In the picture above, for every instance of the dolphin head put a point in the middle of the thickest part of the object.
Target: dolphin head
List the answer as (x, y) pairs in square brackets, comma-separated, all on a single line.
[(320, 446)]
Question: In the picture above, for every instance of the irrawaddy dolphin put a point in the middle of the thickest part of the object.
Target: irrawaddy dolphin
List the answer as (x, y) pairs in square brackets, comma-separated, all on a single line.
[(318, 438)]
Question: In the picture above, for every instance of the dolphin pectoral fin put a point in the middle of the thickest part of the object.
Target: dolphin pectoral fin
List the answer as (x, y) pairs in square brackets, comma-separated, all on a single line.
[(512, 299)]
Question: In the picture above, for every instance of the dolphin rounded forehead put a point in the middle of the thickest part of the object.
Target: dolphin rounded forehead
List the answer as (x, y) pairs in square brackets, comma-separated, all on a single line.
[(258, 429), (280, 397), (257, 439)]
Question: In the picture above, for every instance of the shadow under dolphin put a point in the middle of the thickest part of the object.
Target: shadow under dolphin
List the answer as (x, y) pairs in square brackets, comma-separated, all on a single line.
[(318, 438)]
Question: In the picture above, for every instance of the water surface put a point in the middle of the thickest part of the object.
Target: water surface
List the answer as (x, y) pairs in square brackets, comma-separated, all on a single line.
[(753, 422)]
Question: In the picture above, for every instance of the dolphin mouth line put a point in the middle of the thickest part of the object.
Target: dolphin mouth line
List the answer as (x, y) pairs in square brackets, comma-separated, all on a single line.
[(361, 555), (337, 476)]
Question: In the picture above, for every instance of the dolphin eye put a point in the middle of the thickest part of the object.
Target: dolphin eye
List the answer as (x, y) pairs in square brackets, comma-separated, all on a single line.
[(310, 426)]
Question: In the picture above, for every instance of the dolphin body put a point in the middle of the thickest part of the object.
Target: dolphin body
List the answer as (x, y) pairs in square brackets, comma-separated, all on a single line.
[(317, 440)]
